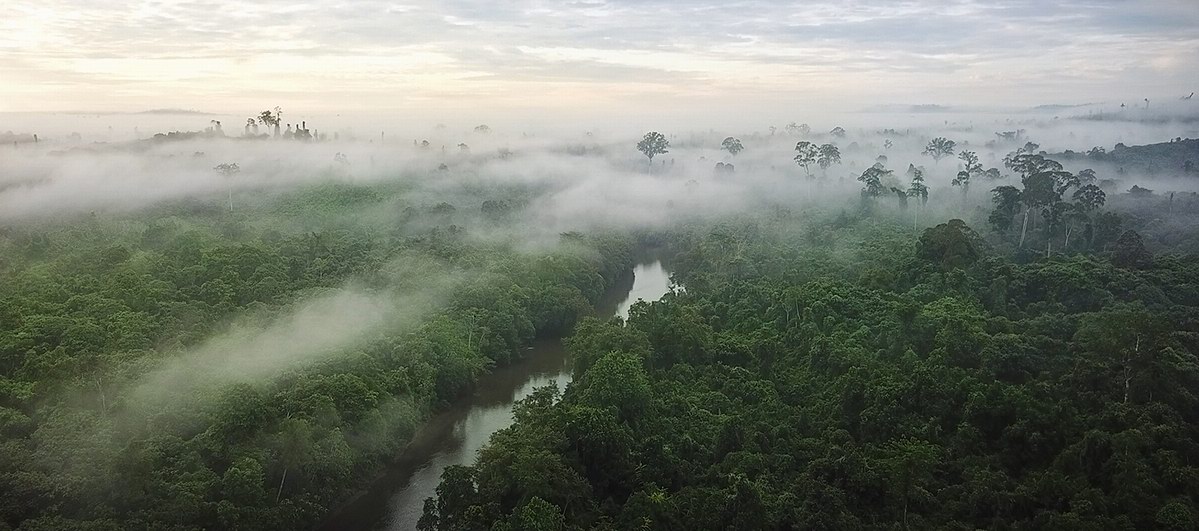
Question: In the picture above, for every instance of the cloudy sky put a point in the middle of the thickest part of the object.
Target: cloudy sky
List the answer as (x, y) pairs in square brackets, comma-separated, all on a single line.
[(628, 55)]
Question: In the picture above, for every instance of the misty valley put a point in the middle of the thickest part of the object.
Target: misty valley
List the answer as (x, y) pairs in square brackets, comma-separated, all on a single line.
[(985, 323)]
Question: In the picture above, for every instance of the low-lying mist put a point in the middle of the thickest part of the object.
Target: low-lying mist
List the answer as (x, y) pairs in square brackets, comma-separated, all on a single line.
[(256, 348), (523, 191), (574, 182), (233, 306)]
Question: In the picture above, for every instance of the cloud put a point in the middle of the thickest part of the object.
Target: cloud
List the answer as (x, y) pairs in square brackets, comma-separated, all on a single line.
[(403, 55)]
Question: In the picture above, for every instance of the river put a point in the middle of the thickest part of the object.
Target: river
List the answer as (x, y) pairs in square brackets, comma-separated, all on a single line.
[(454, 435)]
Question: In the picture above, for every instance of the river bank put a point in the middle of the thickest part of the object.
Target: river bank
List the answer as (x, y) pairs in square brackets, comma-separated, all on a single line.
[(453, 435)]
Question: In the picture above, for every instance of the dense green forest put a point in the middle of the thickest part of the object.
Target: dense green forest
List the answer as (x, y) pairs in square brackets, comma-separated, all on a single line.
[(255, 356), (100, 317), (838, 372), (599, 265)]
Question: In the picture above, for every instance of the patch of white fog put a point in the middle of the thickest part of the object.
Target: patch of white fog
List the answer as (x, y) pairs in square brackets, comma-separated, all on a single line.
[(257, 347)]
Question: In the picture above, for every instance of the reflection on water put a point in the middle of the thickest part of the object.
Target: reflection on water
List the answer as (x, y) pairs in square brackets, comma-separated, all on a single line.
[(488, 412), (650, 282), (645, 282), (455, 435)]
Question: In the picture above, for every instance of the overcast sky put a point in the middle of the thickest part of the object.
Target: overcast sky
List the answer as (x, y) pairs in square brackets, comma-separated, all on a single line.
[(602, 56)]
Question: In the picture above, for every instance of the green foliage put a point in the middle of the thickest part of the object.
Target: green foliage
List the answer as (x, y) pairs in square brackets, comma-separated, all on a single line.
[(827, 155), (617, 381), (539, 515), (872, 180), (807, 155), (917, 187), (94, 311), (1130, 251), (654, 143), (1164, 157), (939, 148), (950, 245), (732, 145), (812, 390)]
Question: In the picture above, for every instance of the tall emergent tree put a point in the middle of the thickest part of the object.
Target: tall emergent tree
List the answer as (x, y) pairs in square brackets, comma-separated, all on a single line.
[(1087, 176), (271, 119), (653, 143), (1087, 199), (1044, 182), (1007, 203), (939, 148), (970, 168), (872, 181), (829, 155), (918, 190), (808, 154), (732, 145), (228, 169)]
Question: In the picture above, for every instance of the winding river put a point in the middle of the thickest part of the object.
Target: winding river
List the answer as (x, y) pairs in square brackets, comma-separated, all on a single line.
[(454, 435)]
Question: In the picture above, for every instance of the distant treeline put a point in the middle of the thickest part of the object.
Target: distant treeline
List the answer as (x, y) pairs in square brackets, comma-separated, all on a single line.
[(1175, 158)]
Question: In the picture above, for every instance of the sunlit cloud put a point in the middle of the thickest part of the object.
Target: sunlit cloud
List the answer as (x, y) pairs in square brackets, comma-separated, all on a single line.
[(404, 56)]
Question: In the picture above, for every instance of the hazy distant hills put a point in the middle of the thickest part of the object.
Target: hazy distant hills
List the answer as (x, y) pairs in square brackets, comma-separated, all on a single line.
[(1060, 107), (1166, 157), (904, 108), (186, 112)]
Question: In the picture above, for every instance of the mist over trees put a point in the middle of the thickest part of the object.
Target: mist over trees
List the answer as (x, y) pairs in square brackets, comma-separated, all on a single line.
[(732, 145), (808, 153), (599, 266), (827, 155), (653, 144), (271, 119), (939, 148), (207, 331)]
